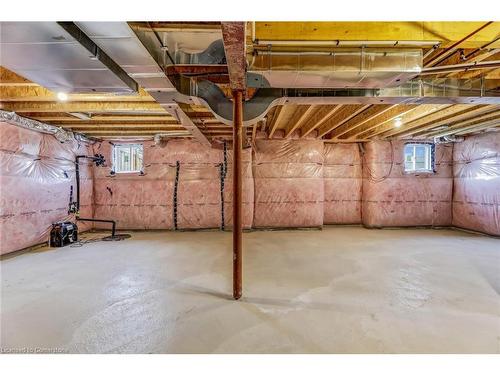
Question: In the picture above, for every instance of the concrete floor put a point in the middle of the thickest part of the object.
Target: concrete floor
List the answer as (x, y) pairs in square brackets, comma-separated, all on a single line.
[(340, 290)]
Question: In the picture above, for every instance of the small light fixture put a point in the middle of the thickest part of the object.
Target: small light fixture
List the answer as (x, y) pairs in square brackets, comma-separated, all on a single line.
[(398, 122), (62, 96)]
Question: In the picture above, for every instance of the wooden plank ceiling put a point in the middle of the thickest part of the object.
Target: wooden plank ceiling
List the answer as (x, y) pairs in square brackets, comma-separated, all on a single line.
[(108, 115)]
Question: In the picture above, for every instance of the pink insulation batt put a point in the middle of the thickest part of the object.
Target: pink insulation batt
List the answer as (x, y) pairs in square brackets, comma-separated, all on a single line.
[(286, 183), (288, 177), (342, 177), (147, 202), (36, 174), (393, 198), (476, 195)]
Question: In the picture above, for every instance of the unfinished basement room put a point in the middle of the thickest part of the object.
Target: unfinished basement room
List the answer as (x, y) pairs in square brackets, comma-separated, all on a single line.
[(250, 187)]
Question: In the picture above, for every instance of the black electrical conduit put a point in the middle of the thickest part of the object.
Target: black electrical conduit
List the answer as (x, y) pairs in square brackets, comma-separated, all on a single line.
[(98, 160)]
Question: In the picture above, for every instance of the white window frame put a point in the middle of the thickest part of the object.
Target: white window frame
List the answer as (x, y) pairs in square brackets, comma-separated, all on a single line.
[(429, 158), (116, 149)]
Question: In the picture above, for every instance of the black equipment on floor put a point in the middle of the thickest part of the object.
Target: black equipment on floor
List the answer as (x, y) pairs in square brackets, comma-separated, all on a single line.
[(63, 233)]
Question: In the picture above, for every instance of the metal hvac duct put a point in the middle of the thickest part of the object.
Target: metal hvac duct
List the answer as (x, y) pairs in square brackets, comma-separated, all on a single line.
[(122, 45), (347, 76), (349, 68), (60, 57)]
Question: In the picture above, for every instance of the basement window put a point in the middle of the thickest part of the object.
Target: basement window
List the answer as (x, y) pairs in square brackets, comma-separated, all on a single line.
[(127, 158), (419, 157)]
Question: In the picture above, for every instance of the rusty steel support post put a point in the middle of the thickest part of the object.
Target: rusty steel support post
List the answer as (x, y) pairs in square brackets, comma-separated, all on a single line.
[(237, 223)]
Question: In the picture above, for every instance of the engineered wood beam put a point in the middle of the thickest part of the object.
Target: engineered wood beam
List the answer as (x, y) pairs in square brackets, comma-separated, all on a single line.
[(441, 55), (254, 131), (278, 115), (108, 120), (301, 113), (9, 78), (178, 113), (157, 129), (343, 115), (434, 116), (488, 118), (388, 115), (388, 125), (87, 107), (369, 114), (40, 94), (429, 31), (478, 128), (117, 126), (464, 114), (318, 117)]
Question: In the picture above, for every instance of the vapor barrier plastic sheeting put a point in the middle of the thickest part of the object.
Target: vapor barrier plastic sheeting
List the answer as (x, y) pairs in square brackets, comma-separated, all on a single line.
[(289, 189), (147, 202), (342, 176), (36, 175), (286, 183), (392, 197), (476, 196)]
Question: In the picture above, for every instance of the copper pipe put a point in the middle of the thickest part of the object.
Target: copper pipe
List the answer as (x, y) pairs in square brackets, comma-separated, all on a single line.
[(483, 47), (445, 54), (461, 67), (237, 223)]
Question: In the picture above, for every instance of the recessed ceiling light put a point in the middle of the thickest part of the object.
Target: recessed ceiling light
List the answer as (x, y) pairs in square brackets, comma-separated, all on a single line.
[(398, 122), (62, 96)]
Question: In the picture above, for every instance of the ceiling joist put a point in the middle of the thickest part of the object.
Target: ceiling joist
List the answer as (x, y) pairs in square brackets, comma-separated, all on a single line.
[(300, 115), (318, 117), (343, 115)]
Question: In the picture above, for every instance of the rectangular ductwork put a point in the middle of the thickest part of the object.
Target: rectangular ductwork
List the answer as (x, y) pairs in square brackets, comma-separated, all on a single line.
[(123, 46), (60, 57), (354, 68)]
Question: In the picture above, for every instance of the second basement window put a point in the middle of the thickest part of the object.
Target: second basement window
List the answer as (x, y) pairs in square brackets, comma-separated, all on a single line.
[(127, 158), (419, 157)]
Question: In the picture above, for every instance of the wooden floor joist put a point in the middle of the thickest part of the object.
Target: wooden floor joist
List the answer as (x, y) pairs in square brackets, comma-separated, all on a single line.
[(300, 115), (178, 112), (388, 116), (460, 112), (275, 121), (27, 93), (87, 107), (370, 113), (490, 118), (340, 117), (317, 118), (406, 118), (463, 118), (477, 128), (347, 122)]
